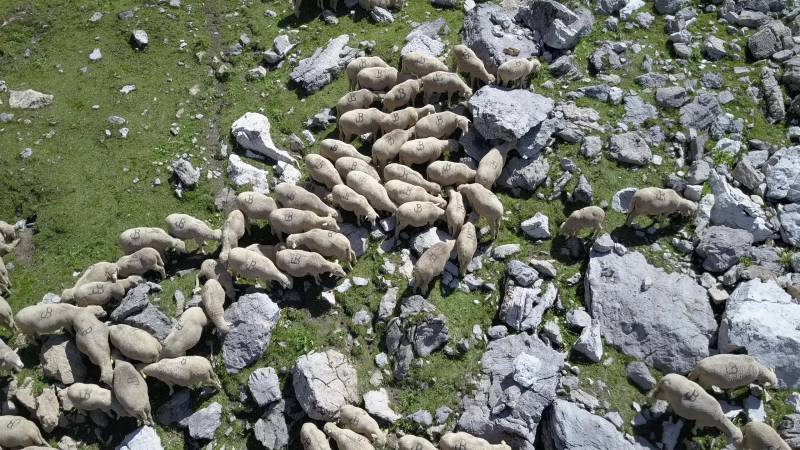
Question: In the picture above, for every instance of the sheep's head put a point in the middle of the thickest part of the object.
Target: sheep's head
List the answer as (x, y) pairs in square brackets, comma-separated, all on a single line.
[(286, 282), (687, 207), (291, 241), (68, 295), (329, 224), (463, 124), (767, 375), (338, 271), (372, 217), (426, 110), (179, 247), (467, 92), (490, 79)]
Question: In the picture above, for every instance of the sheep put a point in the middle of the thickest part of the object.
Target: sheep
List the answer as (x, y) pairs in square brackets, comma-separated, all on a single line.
[(360, 121), (656, 201), (183, 371), (18, 432), (269, 251), (402, 94), (232, 230), (425, 150), (5, 280), (100, 292), (140, 262), (379, 79), (213, 269), (728, 372), (514, 72), (101, 271), (387, 147), (254, 266), (466, 245), (760, 436), (85, 397), (405, 118), (360, 99), (372, 190), (462, 440), (416, 214), (135, 239), (46, 318), (9, 358), (401, 192), (690, 401), (322, 171), (346, 165), (411, 442), (329, 244), (358, 420), (313, 438), (442, 82), (441, 125), (7, 315), (300, 263), (5, 249), (130, 390), (491, 166), (431, 264), (134, 343), (212, 299), (590, 217), (254, 206), (447, 173), (334, 149), (455, 212), (346, 439), (290, 220), (185, 334), (8, 232), (420, 64), (467, 61), (186, 227), (91, 338), (357, 65), (408, 175), (485, 203), (289, 195)]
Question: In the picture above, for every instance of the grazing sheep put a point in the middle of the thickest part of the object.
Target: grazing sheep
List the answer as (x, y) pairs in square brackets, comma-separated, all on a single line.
[(411, 442), (441, 125), (690, 401), (300, 263), (291, 196), (358, 420), (402, 94), (232, 230), (135, 239), (254, 206), (379, 79), (372, 190), (130, 390), (401, 192), (102, 271), (212, 299), (360, 121), (140, 262), (350, 200), (425, 150), (455, 212), (186, 227), (405, 118), (461, 440), (85, 397), (447, 173), (134, 343), (466, 245), (441, 82), (431, 264), (387, 147), (290, 220), (346, 165), (269, 251), (467, 61), (590, 217), (313, 438), (5, 280), (9, 358), (91, 338), (334, 149), (728, 372), (346, 439), (254, 266), (515, 72), (416, 214), (5, 249), (18, 432), (407, 174), (213, 269), (490, 166), (46, 318), (329, 244), (420, 64), (100, 292), (485, 203), (760, 436), (7, 315), (355, 66), (653, 201), (8, 232), (360, 99), (185, 334), (184, 371), (322, 171)]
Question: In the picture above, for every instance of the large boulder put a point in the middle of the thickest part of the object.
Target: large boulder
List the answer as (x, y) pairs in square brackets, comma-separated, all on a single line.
[(721, 247), (29, 99), (523, 175), (560, 27), (523, 307), (323, 383), (770, 38), (761, 319), (783, 175), (319, 70), (252, 318), (252, 132), (520, 375), (142, 438), (662, 318), (61, 360), (789, 218), (629, 148), (417, 330), (732, 208), (204, 422), (490, 29), (567, 426), (669, 6)]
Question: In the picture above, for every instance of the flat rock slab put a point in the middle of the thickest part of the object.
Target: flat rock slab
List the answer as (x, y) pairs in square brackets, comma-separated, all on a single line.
[(143, 438), (508, 114), (323, 383), (29, 99), (485, 35), (569, 427), (252, 316), (316, 72)]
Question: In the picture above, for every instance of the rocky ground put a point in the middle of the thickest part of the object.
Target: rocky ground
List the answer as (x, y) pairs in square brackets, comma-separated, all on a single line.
[(131, 120)]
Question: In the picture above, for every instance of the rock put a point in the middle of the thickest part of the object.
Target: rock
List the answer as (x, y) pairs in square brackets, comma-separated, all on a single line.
[(422, 418), (523, 174), (734, 209), (490, 29), (48, 410), (142, 438), (377, 404), (388, 304), (177, 408), (522, 273), (721, 247), (560, 27), (252, 318), (185, 173), (568, 427), (242, 174), (252, 132), (761, 319), (264, 386), (271, 430), (699, 172), (28, 99), (669, 6), (61, 360), (637, 111), (96, 55), (669, 325), (380, 15), (504, 251), (523, 307), (204, 422), (789, 429), (578, 318), (427, 239), (316, 72), (671, 97), (783, 175), (639, 374), (139, 39), (629, 148), (583, 191), (518, 367), (791, 74), (152, 320), (789, 218), (225, 200), (323, 383), (773, 96), (621, 201), (701, 112), (714, 48), (429, 336), (421, 43), (592, 146), (590, 343), (770, 38)]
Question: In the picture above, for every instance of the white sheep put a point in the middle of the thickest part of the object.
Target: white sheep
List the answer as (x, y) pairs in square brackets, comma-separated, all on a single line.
[(431, 264), (346, 165), (313, 438), (321, 170), (514, 72), (334, 149), (426, 150), (91, 338), (441, 125), (232, 230), (101, 271), (653, 201), (448, 173), (349, 200), (290, 220), (290, 195), (212, 299), (254, 206), (184, 371), (18, 432), (416, 214), (360, 121), (134, 239), (140, 262), (255, 266), (46, 318), (407, 174), (329, 244), (186, 227), (462, 440), (485, 203), (300, 263), (346, 439), (491, 166), (405, 118), (411, 442), (5, 280), (402, 94), (134, 343), (466, 245), (760, 436), (401, 192), (420, 64), (360, 99), (9, 359), (455, 212), (130, 390), (441, 82), (380, 79), (213, 269), (467, 61), (387, 147), (357, 65), (727, 371), (358, 420), (185, 333), (372, 190), (590, 217), (7, 315)]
